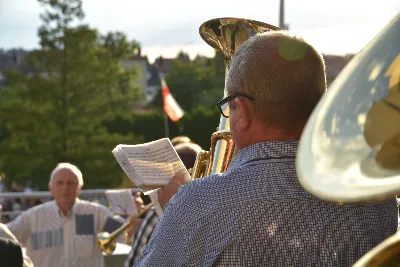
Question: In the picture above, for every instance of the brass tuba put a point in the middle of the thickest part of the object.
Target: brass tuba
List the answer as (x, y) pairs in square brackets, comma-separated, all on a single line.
[(225, 35), (349, 151)]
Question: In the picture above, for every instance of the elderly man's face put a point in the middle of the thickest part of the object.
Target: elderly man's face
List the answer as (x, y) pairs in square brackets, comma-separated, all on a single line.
[(65, 188)]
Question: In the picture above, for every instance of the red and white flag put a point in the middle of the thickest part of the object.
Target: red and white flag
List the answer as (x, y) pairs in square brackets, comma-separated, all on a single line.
[(171, 107)]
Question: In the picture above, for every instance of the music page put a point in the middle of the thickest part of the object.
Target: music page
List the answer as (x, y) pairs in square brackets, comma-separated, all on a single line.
[(126, 165), (121, 202), (155, 162)]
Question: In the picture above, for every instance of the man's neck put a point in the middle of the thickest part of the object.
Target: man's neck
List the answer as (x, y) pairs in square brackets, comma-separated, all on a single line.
[(65, 210), (262, 134)]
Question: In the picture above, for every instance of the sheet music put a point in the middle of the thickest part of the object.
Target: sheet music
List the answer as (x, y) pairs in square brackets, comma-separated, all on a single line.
[(153, 163), (121, 202)]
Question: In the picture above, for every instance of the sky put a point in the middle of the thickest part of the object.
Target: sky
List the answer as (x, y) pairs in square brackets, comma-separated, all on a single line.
[(167, 27)]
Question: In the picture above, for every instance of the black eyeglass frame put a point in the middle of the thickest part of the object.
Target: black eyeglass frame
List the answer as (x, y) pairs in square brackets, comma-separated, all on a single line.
[(231, 97)]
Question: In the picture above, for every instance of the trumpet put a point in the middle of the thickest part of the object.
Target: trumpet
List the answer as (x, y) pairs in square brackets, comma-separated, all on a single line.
[(107, 242)]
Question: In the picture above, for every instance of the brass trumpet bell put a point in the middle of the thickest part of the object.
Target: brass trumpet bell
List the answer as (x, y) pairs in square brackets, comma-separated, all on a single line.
[(225, 35), (349, 151), (107, 242)]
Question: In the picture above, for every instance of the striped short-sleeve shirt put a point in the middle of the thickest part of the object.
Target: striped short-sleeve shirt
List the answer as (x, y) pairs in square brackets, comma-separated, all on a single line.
[(52, 239)]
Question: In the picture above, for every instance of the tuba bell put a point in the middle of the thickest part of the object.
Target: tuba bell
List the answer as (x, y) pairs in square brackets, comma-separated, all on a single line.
[(349, 151), (225, 35)]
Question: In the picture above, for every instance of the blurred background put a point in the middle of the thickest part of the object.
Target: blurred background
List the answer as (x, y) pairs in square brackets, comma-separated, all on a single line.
[(78, 77)]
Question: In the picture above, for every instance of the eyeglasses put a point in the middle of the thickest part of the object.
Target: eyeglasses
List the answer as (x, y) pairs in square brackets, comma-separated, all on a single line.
[(223, 104)]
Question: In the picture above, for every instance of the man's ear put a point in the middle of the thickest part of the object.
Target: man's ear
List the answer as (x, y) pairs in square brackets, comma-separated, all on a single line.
[(244, 113), (50, 189)]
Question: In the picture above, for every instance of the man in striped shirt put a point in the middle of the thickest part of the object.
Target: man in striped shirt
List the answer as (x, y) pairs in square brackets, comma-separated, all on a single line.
[(63, 232)]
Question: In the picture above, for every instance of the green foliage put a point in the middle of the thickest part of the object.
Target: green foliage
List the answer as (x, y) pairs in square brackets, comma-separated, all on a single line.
[(57, 113), (198, 124), (119, 45), (73, 101), (196, 83)]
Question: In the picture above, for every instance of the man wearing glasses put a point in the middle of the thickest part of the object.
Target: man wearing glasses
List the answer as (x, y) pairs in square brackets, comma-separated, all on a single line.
[(256, 213)]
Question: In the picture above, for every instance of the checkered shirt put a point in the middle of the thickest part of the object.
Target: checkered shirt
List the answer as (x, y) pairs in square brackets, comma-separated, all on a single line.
[(142, 236), (54, 240), (257, 214)]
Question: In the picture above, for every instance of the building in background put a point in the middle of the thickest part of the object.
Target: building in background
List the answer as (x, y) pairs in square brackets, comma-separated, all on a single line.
[(11, 60), (148, 79), (165, 65), (334, 65)]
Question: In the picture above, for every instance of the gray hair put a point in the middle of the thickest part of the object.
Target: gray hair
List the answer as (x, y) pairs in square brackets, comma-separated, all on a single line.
[(285, 75), (67, 166)]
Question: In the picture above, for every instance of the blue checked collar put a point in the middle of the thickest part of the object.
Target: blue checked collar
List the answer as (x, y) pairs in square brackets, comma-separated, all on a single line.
[(272, 149)]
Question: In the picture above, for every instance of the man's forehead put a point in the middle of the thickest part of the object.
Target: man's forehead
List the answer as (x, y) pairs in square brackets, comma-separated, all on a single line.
[(65, 173)]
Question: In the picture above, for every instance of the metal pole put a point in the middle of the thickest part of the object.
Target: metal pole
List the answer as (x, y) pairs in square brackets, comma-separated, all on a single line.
[(166, 122), (282, 14), (166, 125)]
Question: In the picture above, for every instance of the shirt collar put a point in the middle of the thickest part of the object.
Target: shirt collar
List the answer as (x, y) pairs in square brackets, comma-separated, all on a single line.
[(71, 211), (272, 149)]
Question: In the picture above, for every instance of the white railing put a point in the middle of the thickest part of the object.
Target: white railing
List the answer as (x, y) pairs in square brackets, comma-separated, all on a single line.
[(95, 195)]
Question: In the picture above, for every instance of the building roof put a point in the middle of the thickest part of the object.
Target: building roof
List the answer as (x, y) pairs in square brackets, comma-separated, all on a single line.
[(165, 65)]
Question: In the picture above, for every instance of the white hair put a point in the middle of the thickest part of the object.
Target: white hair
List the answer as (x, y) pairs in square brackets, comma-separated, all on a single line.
[(67, 166)]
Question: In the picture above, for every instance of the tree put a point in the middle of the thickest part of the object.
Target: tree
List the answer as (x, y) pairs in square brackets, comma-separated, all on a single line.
[(119, 45), (215, 93), (57, 113)]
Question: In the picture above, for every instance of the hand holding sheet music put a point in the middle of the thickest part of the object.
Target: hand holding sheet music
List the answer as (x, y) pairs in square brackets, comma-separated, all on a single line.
[(150, 165)]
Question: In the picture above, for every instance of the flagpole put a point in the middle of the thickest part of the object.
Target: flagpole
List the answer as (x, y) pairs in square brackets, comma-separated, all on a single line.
[(166, 122), (166, 125), (174, 110)]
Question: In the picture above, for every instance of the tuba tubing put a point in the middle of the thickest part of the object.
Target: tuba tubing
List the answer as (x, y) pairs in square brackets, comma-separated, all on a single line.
[(386, 253), (225, 35)]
